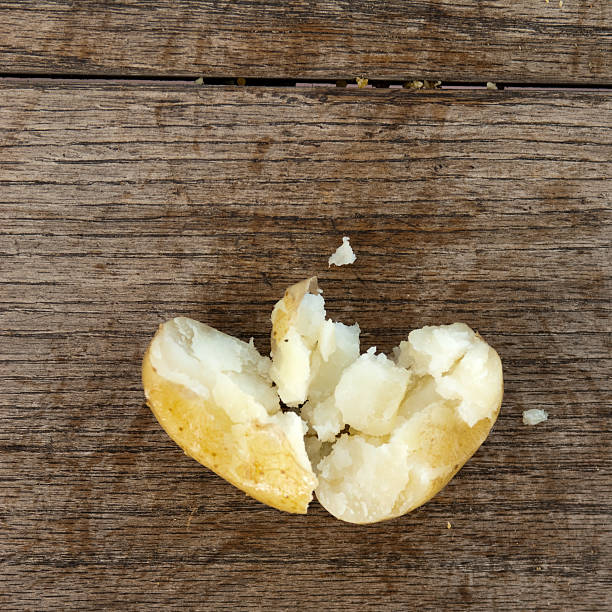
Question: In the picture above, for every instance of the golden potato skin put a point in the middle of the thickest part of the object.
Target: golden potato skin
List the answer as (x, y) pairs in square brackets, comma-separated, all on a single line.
[(257, 459)]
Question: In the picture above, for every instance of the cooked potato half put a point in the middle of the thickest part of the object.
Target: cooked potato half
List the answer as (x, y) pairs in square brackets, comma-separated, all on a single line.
[(213, 395), (386, 434), (380, 436)]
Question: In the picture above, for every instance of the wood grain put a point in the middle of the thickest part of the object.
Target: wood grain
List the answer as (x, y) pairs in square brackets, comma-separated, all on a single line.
[(122, 206), (457, 40)]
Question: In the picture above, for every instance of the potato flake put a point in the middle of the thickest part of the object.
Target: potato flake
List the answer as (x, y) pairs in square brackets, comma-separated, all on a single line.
[(343, 255)]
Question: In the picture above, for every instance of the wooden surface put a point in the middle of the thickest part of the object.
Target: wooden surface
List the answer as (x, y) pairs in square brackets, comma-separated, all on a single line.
[(467, 40), (124, 205)]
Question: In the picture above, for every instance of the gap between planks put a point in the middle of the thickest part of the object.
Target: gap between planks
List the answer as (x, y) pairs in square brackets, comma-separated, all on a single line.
[(241, 81)]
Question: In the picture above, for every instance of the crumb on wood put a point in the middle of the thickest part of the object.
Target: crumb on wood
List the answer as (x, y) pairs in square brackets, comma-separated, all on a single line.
[(534, 416), (343, 255), (362, 82), (448, 525)]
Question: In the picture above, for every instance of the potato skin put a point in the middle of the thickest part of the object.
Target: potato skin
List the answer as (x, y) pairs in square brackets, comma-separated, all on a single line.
[(256, 458)]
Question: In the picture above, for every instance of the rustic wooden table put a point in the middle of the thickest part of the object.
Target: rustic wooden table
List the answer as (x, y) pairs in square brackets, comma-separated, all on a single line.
[(130, 194)]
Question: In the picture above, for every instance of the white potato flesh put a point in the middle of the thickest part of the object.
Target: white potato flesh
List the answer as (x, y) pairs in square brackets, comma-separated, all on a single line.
[(535, 416), (316, 449), (327, 372), (325, 418), (369, 393), (292, 356), (463, 366), (291, 369), (359, 481), (327, 339)]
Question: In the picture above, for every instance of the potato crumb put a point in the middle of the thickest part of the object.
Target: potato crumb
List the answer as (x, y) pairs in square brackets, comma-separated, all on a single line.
[(199, 81), (344, 254), (361, 82), (534, 416), (448, 525), (491, 85)]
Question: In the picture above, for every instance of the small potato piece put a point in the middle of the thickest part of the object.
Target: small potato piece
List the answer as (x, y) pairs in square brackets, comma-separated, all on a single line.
[(369, 393), (343, 255), (535, 416), (309, 353), (213, 395)]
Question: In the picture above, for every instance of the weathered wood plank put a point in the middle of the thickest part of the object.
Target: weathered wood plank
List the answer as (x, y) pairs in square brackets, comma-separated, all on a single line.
[(467, 40), (122, 206)]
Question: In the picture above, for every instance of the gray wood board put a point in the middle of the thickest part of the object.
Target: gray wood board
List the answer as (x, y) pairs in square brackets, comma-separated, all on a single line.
[(521, 41), (122, 206)]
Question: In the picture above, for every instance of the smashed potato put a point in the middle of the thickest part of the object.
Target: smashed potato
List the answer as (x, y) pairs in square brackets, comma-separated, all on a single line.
[(373, 436)]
